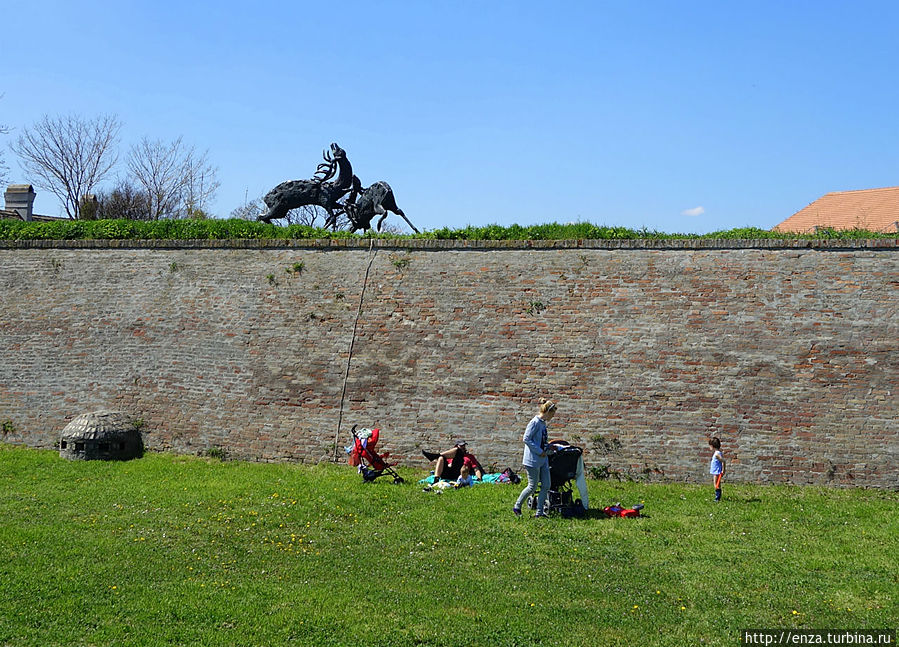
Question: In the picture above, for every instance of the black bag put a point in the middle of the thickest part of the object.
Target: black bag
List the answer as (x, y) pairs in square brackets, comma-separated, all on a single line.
[(513, 477)]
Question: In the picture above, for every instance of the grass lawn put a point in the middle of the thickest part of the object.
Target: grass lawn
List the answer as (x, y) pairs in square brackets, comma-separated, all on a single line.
[(170, 550)]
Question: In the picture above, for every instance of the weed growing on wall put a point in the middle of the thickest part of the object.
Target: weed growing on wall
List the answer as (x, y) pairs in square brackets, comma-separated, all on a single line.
[(400, 263), (603, 472), (218, 453)]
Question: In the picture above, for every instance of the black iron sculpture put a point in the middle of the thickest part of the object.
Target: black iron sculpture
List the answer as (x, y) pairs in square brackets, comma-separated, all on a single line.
[(375, 200), (360, 206), (317, 191)]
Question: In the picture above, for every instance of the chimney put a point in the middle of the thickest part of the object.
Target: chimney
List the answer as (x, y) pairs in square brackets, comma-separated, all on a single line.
[(20, 198)]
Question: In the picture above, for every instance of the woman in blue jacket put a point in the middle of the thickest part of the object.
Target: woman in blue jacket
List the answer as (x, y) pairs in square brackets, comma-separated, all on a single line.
[(536, 458)]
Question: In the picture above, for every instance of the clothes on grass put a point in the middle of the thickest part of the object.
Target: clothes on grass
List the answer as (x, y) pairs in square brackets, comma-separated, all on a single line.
[(498, 477)]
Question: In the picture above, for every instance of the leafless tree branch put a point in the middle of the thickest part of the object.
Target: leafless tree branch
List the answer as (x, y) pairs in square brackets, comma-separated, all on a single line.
[(157, 167), (4, 130), (200, 183), (69, 155), (179, 181)]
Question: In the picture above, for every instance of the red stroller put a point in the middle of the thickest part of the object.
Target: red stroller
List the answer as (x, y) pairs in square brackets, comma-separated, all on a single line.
[(363, 455)]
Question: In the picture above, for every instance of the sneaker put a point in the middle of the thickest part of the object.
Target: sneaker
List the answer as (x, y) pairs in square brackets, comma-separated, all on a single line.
[(541, 515), (517, 511)]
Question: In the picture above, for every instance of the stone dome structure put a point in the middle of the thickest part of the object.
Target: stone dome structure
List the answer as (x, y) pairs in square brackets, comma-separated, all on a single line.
[(101, 435)]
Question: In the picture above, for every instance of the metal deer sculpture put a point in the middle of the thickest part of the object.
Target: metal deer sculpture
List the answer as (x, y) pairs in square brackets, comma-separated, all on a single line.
[(360, 206), (317, 191), (375, 200)]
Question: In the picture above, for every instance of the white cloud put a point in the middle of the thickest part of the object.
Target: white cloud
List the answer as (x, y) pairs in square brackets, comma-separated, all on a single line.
[(695, 211)]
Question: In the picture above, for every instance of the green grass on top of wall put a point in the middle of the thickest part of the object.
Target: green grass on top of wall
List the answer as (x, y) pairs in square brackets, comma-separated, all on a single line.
[(244, 229)]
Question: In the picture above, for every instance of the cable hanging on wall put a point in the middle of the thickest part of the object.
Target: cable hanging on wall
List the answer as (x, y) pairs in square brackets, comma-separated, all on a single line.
[(372, 252)]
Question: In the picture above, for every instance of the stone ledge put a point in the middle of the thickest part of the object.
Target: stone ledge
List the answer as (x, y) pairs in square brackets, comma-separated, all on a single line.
[(474, 245)]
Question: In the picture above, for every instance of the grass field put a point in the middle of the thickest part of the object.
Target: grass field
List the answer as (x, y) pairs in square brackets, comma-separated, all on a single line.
[(170, 550)]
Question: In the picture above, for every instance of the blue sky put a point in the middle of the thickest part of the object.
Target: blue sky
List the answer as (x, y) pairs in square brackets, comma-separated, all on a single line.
[(675, 116)]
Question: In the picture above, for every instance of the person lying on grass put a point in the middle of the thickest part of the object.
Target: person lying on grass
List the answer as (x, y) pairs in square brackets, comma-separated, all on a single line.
[(449, 463)]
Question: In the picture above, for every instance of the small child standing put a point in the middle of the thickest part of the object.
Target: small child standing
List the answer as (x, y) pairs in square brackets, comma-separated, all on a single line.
[(717, 466), (464, 479)]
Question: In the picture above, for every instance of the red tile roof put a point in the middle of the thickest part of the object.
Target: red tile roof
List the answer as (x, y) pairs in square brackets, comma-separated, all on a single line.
[(871, 209)]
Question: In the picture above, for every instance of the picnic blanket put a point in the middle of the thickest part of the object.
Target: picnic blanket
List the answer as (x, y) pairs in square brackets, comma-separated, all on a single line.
[(498, 477)]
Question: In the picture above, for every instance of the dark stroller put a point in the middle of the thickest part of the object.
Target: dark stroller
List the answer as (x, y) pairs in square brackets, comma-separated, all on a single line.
[(363, 455), (563, 465)]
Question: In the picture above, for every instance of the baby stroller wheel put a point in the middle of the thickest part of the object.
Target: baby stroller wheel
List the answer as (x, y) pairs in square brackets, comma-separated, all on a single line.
[(532, 502)]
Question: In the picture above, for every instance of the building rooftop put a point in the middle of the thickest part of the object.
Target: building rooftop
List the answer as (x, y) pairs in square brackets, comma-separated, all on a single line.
[(871, 209)]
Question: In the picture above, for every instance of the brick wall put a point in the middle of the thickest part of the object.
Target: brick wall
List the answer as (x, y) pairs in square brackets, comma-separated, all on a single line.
[(787, 351)]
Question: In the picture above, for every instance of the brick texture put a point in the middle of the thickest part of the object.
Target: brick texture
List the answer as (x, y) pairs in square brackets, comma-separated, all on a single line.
[(786, 351)]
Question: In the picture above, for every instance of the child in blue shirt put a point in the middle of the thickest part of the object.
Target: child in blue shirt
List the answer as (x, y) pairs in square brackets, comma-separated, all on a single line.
[(464, 479), (717, 466)]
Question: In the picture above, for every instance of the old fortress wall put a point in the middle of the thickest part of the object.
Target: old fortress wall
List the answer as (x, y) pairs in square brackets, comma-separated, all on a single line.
[(786, 350)]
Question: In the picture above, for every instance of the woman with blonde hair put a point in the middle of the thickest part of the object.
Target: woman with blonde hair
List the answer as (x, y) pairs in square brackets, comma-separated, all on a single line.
[(536, 458)]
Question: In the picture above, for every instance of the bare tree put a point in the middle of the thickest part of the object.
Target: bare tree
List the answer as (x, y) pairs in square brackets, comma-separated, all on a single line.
[(249, 209), (4, 130), (69, 155), (307, 215), (3, 167), (157, 167), (178, 181), (200, 184)]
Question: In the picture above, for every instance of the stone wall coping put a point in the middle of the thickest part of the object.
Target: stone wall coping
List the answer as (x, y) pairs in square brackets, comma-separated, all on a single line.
[(687, 244)]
